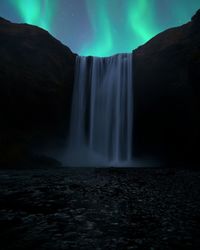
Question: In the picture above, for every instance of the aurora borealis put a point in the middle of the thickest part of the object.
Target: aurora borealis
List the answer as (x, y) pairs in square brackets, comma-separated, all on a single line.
[(101, 27), (35, 12)]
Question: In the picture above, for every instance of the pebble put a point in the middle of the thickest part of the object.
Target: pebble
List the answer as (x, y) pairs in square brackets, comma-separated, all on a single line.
[(99, 210)]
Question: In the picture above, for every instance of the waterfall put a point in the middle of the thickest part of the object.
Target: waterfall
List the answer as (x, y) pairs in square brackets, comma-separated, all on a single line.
[(101, 126)]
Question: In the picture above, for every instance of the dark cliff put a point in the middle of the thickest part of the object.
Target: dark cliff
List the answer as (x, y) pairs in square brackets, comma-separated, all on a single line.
[(36, 80), (167, 93)]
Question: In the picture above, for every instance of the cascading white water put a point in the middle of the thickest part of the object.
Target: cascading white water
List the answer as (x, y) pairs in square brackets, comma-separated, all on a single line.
[(102, 111)]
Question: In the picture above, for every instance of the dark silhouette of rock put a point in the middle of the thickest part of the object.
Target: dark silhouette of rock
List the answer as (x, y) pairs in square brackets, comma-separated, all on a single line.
[(196, 17), (167, 93), (36, 81)]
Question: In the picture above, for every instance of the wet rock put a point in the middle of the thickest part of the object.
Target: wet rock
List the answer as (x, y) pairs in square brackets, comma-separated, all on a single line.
[(36, 212)]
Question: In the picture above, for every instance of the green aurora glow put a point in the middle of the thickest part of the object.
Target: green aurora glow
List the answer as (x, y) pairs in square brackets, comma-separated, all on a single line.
[(142, 20), (108, 26), (36, 12), (101, 45)]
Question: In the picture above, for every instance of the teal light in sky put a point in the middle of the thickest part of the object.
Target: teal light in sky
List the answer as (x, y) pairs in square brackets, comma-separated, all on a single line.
[(102, 41), (141, 19), (101, 27), (122, 25), (36, 12)]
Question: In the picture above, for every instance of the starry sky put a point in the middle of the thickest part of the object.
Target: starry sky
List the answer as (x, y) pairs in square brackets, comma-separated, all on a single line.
[(101, 27)]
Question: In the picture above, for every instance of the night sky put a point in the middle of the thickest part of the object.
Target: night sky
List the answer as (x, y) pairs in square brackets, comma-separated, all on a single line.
[(101, 27)]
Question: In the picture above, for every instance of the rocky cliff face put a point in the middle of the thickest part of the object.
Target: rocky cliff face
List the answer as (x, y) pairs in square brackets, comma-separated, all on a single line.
[(36, 80), (167, 93)]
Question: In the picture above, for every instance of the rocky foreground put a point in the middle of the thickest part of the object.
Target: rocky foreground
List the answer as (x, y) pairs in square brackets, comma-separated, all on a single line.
[(99, 209)]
